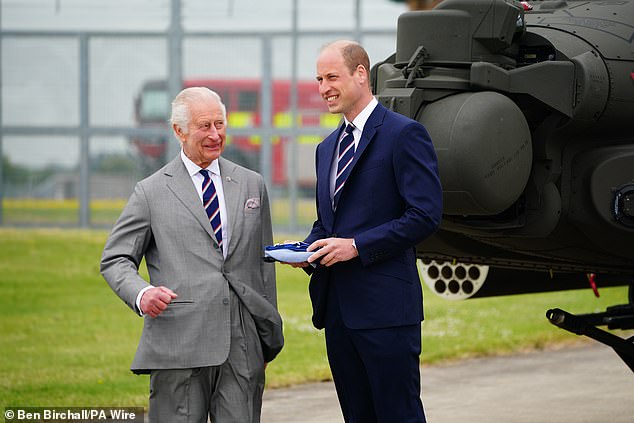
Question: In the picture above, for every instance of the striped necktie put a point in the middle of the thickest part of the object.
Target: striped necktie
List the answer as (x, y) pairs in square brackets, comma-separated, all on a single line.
[(212, 205), (344, 160)]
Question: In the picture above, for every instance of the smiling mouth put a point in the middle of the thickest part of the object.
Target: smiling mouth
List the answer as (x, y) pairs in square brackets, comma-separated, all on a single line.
[(332, 98)]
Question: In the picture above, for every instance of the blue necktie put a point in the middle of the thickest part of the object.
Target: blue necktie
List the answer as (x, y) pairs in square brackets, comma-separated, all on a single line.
[(344, 160), (212, 205)]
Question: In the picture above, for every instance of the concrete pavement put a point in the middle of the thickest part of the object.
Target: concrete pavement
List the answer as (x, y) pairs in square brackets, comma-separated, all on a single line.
[(581, 384)]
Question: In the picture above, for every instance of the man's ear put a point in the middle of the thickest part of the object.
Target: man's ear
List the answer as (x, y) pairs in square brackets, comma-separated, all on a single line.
[(363, 74), (178, 131)]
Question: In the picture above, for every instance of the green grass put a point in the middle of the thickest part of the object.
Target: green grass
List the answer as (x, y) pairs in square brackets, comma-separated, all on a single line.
[(105, 212), (66, 339)]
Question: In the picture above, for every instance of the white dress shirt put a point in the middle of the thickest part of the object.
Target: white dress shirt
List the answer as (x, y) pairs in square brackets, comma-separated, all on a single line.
[(359, 123)]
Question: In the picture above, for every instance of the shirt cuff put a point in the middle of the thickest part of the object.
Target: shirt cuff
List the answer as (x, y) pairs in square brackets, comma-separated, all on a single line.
[(138, 300)]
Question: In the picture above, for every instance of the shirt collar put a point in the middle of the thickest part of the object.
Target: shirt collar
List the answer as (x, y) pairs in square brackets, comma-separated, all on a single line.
[(193, 168), (362, 118)]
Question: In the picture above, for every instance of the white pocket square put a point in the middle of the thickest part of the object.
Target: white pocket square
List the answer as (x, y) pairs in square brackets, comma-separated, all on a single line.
[(252, 203)]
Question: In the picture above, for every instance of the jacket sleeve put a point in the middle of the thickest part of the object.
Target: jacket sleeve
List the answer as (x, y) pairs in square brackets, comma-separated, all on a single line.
[(126, 247)]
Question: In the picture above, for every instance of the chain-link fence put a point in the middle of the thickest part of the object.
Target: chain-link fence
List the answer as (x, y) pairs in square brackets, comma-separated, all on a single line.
[(85, 91)]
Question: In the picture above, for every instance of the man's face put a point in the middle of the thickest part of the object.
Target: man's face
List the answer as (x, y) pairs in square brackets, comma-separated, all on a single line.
[(205, 138), (340, 90)]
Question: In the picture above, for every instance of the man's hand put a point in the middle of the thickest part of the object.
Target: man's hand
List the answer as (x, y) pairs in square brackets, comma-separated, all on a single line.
[(155, 300), (333, 250)]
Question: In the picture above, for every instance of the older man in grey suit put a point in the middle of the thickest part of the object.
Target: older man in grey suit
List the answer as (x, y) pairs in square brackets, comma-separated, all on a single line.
[(210, 310)]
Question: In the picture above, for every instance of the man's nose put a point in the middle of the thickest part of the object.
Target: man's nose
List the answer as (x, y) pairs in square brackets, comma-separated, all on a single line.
[(213, 133), (323, 87)]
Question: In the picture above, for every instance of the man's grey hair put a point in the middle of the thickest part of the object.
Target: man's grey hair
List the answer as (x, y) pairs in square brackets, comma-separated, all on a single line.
[(181, 113)]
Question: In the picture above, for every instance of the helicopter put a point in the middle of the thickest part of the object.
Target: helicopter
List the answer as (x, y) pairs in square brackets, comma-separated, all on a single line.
[(530, 107)]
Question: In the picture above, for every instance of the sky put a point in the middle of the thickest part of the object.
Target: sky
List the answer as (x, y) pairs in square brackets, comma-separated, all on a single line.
[(40, 74), (216, 15)]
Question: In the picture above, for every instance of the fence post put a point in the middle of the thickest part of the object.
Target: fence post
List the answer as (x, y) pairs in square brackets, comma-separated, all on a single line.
[(292, 148), (266, 101), (175, 69), (84, 131)]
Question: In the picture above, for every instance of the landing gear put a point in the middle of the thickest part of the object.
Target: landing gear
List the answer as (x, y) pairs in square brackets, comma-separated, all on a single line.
[(616, 317)]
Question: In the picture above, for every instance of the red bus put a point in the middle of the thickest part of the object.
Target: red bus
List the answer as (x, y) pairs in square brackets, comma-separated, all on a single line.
[(242, 99)]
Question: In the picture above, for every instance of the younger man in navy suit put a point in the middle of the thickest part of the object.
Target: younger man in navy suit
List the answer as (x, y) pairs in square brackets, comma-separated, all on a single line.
[(378, 196)]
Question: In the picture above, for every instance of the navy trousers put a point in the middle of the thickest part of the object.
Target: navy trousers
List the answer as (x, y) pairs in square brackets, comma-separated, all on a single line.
[(376, 371)]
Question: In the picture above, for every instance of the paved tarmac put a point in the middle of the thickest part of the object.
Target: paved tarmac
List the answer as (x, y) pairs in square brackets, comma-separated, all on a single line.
[(582, 384)]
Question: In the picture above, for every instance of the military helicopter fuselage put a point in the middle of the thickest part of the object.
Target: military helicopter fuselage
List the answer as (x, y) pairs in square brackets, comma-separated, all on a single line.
[(532, 118), (530, 106)]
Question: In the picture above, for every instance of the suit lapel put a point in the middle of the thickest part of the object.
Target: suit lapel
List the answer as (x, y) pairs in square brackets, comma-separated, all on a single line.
[(369, 130), (231, 188), (180, 183)]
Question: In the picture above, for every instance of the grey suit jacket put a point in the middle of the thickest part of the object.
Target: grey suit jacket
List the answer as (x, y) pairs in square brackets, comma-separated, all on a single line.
[(165, 222)]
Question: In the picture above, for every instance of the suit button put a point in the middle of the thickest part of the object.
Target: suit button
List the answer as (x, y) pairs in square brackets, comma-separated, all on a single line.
[(225, 301)]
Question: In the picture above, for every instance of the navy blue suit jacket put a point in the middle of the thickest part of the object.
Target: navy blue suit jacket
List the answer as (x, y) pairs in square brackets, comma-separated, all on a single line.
[(391, 201)]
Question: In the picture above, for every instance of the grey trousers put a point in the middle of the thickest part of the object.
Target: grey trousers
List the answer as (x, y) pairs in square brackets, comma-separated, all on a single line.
[(228, 393)]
